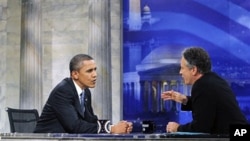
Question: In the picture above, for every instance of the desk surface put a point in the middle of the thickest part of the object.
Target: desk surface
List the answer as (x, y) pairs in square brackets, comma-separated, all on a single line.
[(108, 137)]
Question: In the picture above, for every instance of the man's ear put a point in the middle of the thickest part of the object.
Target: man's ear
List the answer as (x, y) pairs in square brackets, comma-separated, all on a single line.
[(194, 71), (74, 75)]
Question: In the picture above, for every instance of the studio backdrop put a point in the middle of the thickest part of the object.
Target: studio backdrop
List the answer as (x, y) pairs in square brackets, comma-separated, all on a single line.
[(154, 34)]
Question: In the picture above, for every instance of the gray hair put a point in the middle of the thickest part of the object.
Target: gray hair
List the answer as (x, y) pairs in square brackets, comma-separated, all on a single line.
[(197, 56)]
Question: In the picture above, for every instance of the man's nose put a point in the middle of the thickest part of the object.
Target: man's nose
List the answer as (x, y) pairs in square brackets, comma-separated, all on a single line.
[(94, 74)]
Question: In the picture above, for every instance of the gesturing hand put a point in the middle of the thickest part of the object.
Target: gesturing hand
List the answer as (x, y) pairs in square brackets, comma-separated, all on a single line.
[(173, 95)]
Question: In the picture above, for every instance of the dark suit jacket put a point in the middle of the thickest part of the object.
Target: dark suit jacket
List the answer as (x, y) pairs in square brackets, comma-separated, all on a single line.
[(62, 113), (213, 105)]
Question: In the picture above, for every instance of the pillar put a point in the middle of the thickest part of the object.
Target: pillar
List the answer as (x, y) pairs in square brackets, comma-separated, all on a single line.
[(100, 50), (31, 55)]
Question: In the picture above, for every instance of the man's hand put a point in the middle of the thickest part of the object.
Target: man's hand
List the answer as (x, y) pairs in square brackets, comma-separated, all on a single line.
[(122, 127), (176, 96), (130, 127), (172, 127)]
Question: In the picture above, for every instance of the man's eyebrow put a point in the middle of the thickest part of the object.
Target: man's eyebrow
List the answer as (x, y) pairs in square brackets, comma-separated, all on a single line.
[(91, 69)]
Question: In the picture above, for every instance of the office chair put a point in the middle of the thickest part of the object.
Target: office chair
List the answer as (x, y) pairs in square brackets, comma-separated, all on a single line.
[(22, 120)]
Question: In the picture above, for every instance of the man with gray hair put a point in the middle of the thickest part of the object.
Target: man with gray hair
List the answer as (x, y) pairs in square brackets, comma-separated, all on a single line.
[(212, 102)]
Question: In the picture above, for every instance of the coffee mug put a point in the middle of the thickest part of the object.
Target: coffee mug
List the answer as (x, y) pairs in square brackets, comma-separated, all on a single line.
[(148, 126), (104, 126)]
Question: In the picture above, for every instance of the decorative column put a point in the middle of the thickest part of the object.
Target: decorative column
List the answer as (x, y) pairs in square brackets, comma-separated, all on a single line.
[(159, 92), (100, 50), (149, 96), (31, 55), (134, 15), (142, 99)]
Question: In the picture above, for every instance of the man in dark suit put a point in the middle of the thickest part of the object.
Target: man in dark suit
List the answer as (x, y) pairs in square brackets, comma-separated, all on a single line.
[(212, 102), (63, 113)]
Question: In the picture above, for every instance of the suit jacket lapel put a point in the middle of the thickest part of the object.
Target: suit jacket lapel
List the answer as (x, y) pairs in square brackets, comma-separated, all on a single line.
[(77, 100)]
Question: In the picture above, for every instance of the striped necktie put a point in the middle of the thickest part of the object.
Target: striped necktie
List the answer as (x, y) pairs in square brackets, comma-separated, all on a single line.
[(82, 101)]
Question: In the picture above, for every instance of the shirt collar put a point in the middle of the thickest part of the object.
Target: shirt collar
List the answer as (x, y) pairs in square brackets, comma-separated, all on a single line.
[(78, 89)]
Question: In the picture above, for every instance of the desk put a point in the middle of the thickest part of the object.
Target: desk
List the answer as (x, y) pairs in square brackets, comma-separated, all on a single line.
[(108, 137)]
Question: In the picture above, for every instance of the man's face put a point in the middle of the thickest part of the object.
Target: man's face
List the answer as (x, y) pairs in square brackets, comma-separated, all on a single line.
[(186, 72), (86, 76)]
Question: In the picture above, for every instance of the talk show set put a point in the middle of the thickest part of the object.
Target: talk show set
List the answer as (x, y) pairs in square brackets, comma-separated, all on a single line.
[(125, 70)]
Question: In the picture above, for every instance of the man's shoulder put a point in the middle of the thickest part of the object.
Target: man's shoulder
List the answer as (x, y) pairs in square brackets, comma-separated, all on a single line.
[(66, 81), (64, 87), (211, 76), (206, 80)]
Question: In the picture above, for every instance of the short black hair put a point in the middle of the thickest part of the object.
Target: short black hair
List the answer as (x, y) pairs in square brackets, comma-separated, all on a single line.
[(77, 61)]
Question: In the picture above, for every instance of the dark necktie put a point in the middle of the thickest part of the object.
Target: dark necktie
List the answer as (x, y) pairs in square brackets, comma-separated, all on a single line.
[(82, 101)]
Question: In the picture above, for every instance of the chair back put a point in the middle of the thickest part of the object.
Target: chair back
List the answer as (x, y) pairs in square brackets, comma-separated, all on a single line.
[(22, 120)]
